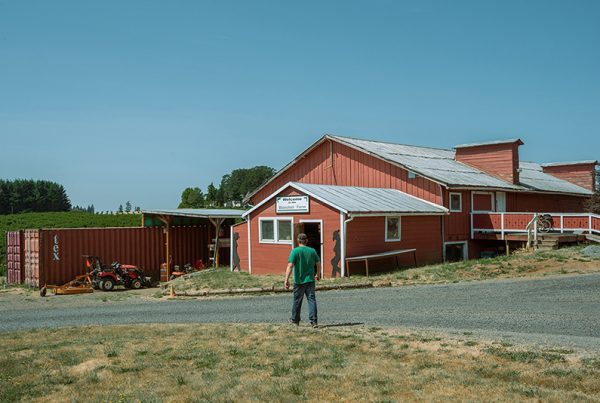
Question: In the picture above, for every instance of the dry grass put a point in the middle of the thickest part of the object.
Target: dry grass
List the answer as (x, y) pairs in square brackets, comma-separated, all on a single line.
[(521, 264), (280, 363)]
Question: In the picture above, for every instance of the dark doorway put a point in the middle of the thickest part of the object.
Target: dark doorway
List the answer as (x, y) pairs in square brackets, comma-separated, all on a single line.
[(455, 252), (313, 232)]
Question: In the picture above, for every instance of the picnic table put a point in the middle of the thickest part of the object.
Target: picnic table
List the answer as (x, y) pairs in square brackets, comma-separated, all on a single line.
[(366, 258)]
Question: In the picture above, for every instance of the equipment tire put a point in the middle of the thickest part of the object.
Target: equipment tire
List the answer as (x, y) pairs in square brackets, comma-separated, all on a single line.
[(107, 285), (136, 284)]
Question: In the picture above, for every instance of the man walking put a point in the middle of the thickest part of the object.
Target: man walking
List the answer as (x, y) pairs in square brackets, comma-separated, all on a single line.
[(303, 260)]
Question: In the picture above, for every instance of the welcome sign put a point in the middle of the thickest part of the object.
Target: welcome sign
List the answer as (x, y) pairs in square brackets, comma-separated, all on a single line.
[(292, 204)]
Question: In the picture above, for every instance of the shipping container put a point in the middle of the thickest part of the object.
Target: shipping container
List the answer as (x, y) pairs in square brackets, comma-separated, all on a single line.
[(55, 256), (14, 257)]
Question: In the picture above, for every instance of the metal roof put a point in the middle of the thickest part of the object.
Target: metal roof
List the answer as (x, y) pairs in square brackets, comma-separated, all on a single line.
[(559, 164), (355, 200), (490, 143), (361, 200), (433, 163), (439, 165), (198, 213), (533, 177)]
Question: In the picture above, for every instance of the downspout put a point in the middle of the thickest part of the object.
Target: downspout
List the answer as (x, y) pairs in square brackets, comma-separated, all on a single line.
[(345, 243), (249, 245), (443, 228)]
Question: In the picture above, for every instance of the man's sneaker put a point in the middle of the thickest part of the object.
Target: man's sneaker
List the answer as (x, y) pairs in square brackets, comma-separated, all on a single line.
[(291, 322), (314, 324)]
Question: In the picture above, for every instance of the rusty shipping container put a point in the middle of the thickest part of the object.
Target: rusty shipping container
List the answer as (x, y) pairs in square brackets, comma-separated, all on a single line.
[(14, 257), (31, 270), (55, 256)]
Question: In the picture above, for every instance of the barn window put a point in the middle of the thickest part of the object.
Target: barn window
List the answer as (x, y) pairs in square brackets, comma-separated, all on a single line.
[(284, 230), (411, 175), (267, 230), (456, 202), (392, 229), (275, 230)]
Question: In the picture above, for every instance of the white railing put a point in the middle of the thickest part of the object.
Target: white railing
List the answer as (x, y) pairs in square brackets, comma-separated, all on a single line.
[(521, 222)]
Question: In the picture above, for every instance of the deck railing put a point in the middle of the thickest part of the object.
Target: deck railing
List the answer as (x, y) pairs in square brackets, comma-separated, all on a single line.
[(518, 222)]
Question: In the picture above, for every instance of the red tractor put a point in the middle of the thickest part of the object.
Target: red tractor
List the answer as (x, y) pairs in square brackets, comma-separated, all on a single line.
[(108, 277)]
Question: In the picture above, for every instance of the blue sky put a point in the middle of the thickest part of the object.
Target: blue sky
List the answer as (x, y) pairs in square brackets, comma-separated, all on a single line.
[(136, 100)]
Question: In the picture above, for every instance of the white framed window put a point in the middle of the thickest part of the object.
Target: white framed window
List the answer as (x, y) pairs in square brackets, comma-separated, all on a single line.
[(392, 229), (411, 175), (456, 202), (276, 230)]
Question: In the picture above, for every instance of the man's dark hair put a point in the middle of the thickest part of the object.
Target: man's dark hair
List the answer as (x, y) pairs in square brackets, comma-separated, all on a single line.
[(302, 239)]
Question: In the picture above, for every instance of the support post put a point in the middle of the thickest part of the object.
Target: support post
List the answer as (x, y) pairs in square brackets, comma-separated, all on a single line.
[(167, 221), (562, 223), (217, 223), (502, 224), (535, 230)]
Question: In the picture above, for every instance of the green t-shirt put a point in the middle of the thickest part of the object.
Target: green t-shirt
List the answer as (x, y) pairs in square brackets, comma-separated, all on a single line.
[(304, 259)]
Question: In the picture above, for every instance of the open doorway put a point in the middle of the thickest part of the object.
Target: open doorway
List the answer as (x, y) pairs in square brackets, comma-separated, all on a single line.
[(455, 251), (313, 231)]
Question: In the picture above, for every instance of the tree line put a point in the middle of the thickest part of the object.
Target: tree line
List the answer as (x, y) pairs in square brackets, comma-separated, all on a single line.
[(28, 195), (231, 191)]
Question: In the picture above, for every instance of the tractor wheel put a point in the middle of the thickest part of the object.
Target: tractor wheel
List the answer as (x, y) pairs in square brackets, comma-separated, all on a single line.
[(107, 284), (136, 284), (43, 291)]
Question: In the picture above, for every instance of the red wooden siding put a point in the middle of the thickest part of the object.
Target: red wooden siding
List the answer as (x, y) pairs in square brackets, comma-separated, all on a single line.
[(483, 202), (272, 258), (583, 175), (457, 225), (540, 202), (242, 244), (350, 167), (500, 160), (366, 235)]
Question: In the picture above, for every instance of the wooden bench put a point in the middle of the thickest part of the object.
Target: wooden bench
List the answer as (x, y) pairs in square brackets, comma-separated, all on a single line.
[(366, 258)]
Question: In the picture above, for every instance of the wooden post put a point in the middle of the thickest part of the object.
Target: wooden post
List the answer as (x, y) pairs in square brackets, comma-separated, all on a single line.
[(167, 221), (507, 247), (217, 223), (367, 266)]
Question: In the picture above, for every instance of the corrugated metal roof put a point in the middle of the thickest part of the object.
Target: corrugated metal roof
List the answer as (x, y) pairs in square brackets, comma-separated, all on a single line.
[(357, 200), (199, 213), (489, 143), (433, 163), (533, 177), (558, 164)]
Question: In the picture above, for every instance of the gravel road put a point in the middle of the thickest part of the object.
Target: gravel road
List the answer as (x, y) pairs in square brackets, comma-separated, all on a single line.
[(561, 310)]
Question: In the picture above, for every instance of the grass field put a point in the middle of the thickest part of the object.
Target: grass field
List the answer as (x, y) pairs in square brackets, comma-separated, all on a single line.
[(13, 222), (280, 363), (522, 264)]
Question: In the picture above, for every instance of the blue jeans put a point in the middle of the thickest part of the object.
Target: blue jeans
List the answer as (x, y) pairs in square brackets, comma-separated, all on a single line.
[(300, 290)]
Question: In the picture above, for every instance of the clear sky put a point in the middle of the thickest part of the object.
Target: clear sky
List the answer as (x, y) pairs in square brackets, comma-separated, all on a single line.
[(136, 100)]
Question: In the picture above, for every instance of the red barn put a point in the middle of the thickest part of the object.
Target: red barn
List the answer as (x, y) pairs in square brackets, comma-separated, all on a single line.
[(366, 203)]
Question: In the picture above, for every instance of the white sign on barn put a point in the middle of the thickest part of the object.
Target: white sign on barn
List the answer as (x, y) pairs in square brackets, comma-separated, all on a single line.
[(292, 204)]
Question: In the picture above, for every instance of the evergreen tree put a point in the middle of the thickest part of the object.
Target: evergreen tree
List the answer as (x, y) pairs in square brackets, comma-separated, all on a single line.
[(120, 210), (128, 207), (211, 195)]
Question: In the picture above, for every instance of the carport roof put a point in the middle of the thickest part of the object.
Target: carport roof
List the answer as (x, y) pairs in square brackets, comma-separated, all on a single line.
[(198, 213), (363, 201)]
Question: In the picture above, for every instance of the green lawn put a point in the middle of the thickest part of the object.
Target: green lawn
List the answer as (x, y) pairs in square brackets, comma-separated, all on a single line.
[(154, 363), (521, 264), (13, 222)]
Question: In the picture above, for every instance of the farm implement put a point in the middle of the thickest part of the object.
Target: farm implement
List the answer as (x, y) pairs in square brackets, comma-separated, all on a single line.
[(80, 285), (101, 277)]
